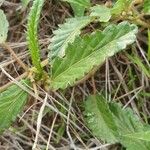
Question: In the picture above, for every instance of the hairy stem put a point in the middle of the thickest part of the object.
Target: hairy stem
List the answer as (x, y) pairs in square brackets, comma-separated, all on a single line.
[(24, 75)]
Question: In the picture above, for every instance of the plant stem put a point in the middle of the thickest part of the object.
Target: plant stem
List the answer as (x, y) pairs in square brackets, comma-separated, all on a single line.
[(142, 23), (32, 35), (24, 75)]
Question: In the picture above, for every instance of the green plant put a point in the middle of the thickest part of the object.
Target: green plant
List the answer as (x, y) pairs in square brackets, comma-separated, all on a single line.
[(74, 57), (14, 98), (146, 7), (94, 49), (3, 27), (111, 123), (66, 34), (32, 37), (11, 102), (79, 6)]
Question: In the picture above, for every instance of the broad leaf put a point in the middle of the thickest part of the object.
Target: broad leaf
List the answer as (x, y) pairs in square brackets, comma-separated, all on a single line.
[(118, 122), (120, 6), (66, 34), (128, 123), (99, 118), (126, 120), (144, 136), (102, 12), (3, 27), (83, 3), (146, 6), (90, 51), (11, 103)]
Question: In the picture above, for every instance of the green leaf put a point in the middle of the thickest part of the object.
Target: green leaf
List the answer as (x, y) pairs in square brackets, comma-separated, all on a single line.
[(90, 51), (103, 117), (32, 36), (146, 6), (79, 6), (78, 10), (66, 34), (142, 66), (83, 3), (3, 27), (11, 103), (102, 12), (99, 118), (120, 6), (128, 123), (144, 136)]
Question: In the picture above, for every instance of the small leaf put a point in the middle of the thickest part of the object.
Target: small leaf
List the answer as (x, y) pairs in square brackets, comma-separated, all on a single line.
[(78, 10), (146, 6), (100, 119), (120, 6), (11, 103), (66, 34), (102, 12), (90, 51), (79, 6), (3, 27)]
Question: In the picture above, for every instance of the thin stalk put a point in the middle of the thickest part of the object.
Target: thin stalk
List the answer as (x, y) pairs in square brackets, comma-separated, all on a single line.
[(148, 45), (24, 75)]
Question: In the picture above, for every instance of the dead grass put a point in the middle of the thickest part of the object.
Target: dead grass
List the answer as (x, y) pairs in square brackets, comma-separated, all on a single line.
[(62, 126)]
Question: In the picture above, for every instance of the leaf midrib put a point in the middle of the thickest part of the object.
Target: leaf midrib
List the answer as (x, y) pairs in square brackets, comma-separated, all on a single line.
[(89, 56), (12, 102)]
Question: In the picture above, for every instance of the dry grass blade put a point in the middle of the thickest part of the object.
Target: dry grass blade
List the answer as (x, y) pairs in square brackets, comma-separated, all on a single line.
[(55, 119)]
